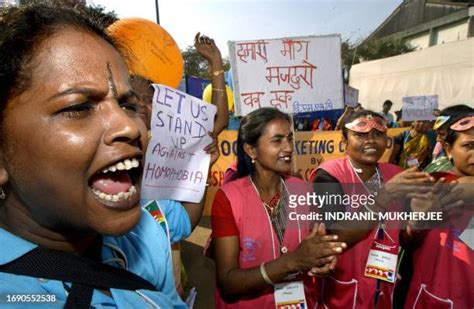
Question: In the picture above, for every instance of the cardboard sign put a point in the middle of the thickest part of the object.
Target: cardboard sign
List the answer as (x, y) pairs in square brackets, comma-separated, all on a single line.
[(351, 96), (295, 75), (419, 108), (176, 166)]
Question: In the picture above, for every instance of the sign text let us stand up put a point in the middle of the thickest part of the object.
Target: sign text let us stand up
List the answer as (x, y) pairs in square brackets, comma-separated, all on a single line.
[(176, 166)]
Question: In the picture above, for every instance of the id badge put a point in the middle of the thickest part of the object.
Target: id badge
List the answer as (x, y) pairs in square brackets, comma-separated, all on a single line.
[(412, 162), (382, 261), (290, 295)]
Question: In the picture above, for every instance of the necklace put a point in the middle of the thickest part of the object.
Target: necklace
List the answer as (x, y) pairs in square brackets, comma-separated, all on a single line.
[(276, 212), (375, 181), (273, 205)]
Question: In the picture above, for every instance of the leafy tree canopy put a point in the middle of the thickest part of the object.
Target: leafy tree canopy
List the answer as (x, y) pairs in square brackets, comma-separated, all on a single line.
[(373, 50), (196, 65)]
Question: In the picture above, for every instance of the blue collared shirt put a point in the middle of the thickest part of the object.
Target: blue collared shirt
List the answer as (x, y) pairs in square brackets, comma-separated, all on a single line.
[(143, 251), (176, 219)]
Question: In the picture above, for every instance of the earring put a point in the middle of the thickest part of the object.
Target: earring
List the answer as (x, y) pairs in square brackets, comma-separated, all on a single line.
[(253, 160), (2, 193)]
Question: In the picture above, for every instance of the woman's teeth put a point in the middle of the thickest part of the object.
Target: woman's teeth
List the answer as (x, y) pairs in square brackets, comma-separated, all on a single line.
[(126, 164), (116, 197), (286, 159), (370, 150)]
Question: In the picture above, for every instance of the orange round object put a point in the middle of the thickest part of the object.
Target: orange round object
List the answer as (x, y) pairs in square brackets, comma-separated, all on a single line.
[(149, 50)]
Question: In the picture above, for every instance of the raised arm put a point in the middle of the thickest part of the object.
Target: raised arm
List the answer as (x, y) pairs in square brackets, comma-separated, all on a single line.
[(208, 49)]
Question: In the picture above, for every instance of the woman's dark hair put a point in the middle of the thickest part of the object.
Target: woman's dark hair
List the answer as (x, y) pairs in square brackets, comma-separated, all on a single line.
[(452, 135), (22, 31), (251, 129), (355, 115)]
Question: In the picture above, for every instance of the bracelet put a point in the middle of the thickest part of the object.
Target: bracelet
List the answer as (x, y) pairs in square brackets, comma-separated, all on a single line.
[(218, 90), (218, 72), (265, 275)]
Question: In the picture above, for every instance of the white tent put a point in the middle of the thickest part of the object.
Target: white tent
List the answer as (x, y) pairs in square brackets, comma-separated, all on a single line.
[(445, 70)]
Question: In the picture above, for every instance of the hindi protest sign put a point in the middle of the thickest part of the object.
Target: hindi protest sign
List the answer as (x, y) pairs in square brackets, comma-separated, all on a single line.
[(295, 75), (351, 96), (419, 108), (176, 166)]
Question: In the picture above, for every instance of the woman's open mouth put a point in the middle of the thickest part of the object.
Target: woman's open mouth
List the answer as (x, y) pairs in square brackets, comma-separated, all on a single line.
[(116, 185), (370, 150)]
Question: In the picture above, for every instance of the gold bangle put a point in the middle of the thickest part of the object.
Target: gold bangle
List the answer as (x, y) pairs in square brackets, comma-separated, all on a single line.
[(218, 72), (218, 90)]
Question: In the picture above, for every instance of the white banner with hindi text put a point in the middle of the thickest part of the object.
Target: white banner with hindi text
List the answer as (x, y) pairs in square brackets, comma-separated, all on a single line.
[(295, 75)]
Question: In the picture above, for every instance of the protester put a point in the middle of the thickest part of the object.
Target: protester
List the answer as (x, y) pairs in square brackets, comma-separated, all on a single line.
[(208, 49), (179, 219), (411, 147), (182, 225), (255, 244), (399, 123), (360, 173), (348, 110), (387, 105), (179, 227), (72, 145), (321, 124), (440, 161), (444, 258)]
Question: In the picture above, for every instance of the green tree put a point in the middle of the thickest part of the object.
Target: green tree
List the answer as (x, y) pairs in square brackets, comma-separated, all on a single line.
[(371, 50), (383, 48), (196, 65)]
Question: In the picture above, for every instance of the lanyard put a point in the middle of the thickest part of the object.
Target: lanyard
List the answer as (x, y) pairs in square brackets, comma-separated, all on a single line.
[(283, 248)]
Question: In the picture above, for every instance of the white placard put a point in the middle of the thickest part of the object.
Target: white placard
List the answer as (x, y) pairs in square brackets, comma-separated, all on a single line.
[(351, 96), (176, 166), (295, 75), (419, 108)]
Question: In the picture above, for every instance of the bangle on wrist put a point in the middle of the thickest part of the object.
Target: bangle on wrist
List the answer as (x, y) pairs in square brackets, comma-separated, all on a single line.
[(218, 90), (264, 274), (217, 72)]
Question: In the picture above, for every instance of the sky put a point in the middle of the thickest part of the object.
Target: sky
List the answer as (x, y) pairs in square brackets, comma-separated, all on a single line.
[(238, 20)]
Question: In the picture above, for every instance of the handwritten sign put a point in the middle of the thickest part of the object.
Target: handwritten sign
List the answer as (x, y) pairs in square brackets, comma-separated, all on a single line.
[(176, 166), (419, 108), (295, 75), (351, 96)]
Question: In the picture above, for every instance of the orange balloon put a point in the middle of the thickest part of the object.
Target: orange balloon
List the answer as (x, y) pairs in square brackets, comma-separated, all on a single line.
[(149, 50)]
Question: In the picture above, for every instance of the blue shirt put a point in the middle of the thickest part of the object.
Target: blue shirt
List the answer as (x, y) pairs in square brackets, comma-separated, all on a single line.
[(389, 117), (176, 220), (143, 251)]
